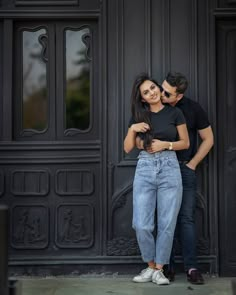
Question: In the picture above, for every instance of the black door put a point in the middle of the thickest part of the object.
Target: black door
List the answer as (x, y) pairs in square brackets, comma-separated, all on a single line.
[(53, 164), (226, 122)]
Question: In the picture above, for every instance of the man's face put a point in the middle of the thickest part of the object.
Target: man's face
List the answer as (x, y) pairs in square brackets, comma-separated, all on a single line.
[(169, 94)]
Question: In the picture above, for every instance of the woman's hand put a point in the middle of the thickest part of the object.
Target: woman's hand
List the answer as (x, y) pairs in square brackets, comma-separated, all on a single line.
[(130, 139), (157, 146), (140, 127)]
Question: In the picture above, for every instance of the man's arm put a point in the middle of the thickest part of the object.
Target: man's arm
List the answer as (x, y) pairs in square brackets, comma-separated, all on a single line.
[(207, 138)]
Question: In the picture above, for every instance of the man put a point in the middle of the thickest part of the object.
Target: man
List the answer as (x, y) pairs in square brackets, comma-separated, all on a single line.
[(174, 87)]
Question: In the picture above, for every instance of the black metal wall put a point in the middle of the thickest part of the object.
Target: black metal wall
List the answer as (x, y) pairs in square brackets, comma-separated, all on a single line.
[(87, 175)]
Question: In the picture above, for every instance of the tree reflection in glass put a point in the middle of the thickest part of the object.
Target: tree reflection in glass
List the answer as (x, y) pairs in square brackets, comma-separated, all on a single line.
[(35, 96), (77, 94)]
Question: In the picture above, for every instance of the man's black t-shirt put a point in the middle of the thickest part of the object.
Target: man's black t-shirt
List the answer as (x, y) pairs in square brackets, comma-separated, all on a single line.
[(196, 119), (164, 123)]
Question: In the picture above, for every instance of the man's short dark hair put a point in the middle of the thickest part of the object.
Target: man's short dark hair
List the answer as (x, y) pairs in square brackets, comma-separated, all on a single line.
[(177, 80)]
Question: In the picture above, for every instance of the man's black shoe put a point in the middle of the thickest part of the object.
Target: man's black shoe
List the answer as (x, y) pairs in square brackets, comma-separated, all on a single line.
[(169, 273), (195, 277)]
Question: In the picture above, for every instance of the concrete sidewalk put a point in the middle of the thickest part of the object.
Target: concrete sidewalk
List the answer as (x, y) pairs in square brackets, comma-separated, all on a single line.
[(121, 285)]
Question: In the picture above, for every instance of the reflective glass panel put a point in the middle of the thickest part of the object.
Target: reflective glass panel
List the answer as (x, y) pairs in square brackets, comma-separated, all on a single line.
[(35, 93), (77, 94)]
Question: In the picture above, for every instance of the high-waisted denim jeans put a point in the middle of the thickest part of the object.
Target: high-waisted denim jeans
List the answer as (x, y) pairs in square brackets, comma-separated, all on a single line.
[(157, 185)]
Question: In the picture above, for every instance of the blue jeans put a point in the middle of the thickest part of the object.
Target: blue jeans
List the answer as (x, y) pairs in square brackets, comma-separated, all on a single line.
[(157, 185), (186, 219)]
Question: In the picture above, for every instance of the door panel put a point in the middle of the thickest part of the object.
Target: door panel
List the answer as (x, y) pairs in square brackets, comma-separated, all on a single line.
[(226, 120), (1, 72), (34, 83), (56, 81), (77, 81)]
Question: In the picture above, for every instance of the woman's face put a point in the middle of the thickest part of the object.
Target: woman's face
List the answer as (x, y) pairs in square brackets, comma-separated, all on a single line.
[(150, 92)]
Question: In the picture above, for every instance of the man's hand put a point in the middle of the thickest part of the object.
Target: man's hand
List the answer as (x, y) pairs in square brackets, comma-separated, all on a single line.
[(157, 146), (207, 138), (191, 166)]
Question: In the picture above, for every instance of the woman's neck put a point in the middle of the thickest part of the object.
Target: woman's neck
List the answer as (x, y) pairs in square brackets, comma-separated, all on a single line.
[(156, 108)]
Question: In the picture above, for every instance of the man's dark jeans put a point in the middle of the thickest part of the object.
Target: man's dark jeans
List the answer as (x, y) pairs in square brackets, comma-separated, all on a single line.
[(186, 219)]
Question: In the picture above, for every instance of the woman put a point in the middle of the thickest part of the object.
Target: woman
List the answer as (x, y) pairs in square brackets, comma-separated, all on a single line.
[(159, 130)]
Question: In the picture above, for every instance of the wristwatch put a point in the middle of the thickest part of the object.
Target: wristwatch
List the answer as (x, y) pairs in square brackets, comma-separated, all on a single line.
[(170, 148)]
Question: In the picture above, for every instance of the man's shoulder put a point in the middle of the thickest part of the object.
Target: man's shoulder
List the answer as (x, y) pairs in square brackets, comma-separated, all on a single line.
[(195, 113), (190, 103)]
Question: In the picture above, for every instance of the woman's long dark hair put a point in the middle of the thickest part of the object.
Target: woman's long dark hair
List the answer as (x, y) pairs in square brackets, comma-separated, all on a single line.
[(141, 110)]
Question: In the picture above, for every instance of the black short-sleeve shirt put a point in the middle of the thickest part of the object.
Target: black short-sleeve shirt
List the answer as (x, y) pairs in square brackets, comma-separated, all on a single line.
[(196, 119), (164, 123)]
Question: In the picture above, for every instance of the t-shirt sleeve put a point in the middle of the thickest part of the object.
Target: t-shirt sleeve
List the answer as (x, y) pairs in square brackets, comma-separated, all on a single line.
[(201, 118), (180, 119), (131, 122)]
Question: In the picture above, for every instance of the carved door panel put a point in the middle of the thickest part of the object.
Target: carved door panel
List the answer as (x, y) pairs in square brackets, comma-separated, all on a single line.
[(54, 167), (226, 122)]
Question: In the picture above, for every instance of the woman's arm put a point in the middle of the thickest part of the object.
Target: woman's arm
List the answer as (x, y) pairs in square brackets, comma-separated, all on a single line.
[(181, 144), (130, 139)]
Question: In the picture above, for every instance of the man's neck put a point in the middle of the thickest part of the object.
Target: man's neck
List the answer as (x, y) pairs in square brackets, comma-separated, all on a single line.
[(175, 102)]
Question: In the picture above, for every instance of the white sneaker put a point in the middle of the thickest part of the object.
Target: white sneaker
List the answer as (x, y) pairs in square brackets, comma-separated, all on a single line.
[(144, 276), (159, 278)]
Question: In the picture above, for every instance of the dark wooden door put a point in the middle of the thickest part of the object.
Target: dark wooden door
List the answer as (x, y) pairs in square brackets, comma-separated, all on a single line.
[(52, 164), (226, 122)]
